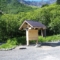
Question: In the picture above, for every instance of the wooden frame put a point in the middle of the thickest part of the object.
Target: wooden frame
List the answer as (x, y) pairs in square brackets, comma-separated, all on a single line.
[(32, 30)]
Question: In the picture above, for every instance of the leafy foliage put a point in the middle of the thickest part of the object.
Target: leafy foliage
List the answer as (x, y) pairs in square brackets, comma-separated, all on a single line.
[(58, 1), (13, 6), (55, 25), (49, 38), (9, 26), (10, 22), (11, 43)]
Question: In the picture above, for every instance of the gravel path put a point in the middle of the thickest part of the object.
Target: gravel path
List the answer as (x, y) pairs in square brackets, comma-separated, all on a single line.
[(32, 53)]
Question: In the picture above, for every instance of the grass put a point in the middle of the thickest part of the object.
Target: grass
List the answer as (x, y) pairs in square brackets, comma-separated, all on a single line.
[(49, 38), (22, 40), (11, 43)]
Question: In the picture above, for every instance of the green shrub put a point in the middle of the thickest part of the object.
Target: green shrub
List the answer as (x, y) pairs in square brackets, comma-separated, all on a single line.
[(32, 41), (49, 38), (42, 39), (21, 40), (12, 41), (9, 44)]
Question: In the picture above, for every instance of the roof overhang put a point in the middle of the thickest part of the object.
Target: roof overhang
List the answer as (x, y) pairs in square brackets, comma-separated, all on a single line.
[(26, 27), (30, 26)]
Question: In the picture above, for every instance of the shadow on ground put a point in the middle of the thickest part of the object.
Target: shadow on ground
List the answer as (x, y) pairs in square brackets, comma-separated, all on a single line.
[(53, 44)]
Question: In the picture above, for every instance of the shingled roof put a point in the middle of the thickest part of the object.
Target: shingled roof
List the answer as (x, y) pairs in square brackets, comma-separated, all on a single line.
[(33, 24)]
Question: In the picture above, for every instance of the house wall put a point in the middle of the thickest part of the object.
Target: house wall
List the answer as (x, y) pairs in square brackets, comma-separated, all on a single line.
[(33, 34)]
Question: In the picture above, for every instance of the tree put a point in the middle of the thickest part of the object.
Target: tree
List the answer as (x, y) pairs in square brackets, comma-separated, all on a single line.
[(3, 5), (55, 25), (1, 12), (45, 5), (58, 1)]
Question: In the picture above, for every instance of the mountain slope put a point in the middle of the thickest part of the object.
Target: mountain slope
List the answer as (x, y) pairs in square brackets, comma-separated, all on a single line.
[(37, 3), (13, 6)]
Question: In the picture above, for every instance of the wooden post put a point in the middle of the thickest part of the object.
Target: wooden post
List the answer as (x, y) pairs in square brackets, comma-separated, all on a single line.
[(27, 37), (44, 32), (41, 32), (36, 42)]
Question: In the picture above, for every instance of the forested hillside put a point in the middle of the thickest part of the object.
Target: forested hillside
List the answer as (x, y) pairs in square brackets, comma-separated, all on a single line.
[(10, 23), (13, 6)]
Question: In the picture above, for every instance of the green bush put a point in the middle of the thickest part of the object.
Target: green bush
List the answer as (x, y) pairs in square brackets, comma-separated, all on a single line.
[(21, 40), (49, 38), (32, 41), (9, 44), (12, 41), (42, 39)]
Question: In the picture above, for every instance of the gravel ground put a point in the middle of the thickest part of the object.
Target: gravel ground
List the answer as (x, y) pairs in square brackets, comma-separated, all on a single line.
[(32, 53)]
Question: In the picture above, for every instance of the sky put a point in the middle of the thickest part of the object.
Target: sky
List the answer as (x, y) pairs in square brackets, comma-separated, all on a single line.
[(35, 0)]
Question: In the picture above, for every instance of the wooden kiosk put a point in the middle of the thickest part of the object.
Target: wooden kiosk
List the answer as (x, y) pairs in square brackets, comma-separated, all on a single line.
[(32, 28)]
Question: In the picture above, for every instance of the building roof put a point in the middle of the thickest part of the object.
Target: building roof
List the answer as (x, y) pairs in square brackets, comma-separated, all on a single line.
[(36, 24), (33, 24)]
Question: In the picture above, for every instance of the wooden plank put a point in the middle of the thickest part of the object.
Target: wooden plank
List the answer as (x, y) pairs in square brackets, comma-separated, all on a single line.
[(33, 35), (27, 38)]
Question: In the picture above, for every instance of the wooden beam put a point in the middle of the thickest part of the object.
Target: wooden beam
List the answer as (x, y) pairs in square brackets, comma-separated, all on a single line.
[(27, 37), (44, 32), (41, 32)]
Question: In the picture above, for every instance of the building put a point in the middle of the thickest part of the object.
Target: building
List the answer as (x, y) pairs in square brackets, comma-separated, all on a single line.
[(32, 28)]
